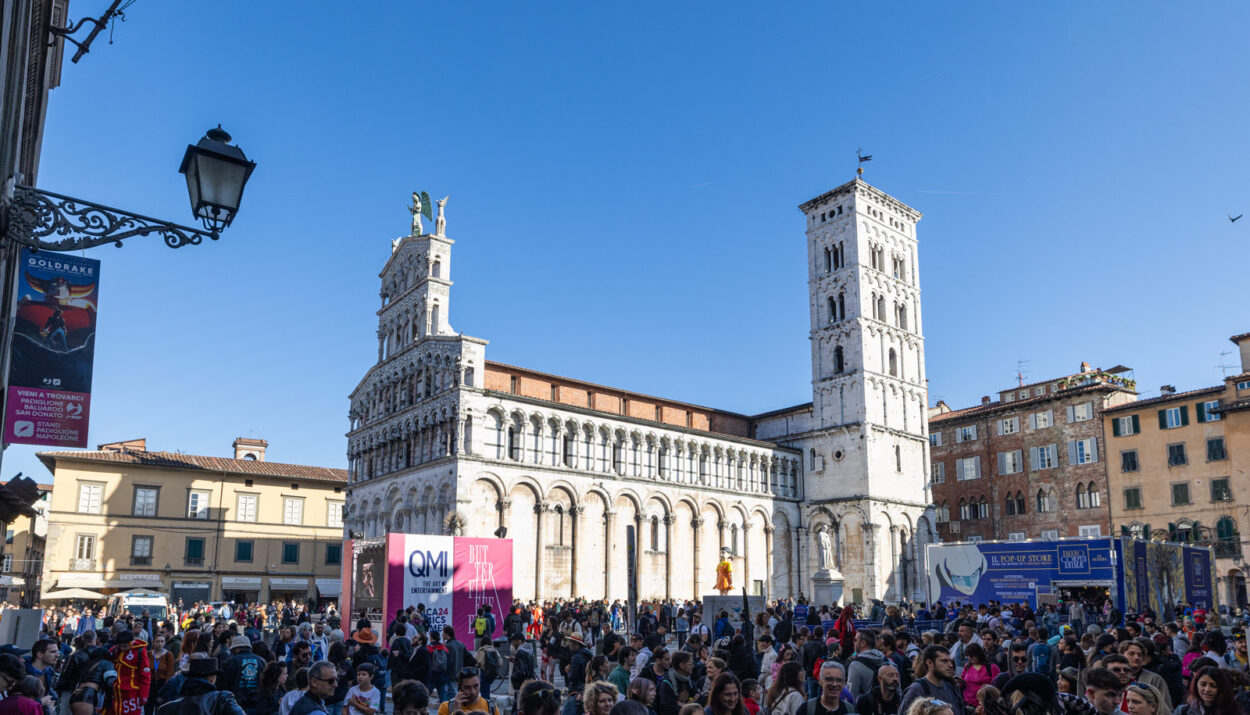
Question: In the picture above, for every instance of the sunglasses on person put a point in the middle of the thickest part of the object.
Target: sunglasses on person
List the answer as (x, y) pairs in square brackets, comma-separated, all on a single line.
[(939, 703), (1021, 659)]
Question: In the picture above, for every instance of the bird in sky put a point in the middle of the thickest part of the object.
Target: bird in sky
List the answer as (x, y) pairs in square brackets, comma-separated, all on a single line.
[(1233, 219)]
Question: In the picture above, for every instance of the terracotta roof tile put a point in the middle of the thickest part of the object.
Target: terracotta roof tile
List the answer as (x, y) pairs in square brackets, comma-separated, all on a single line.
[(194, 462), (999, 405), (1188, 394)]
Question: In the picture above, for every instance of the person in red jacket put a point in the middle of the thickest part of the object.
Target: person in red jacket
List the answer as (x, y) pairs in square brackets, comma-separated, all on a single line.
[(134, 675)]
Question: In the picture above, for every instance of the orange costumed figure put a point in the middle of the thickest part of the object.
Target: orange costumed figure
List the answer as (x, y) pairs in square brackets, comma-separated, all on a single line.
[(134, 678), (724, 573)]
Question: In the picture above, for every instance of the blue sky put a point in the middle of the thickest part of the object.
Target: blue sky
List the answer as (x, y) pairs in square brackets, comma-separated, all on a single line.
[(624, 180)]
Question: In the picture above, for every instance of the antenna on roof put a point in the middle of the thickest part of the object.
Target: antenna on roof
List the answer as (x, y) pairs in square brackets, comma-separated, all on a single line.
[(1022, 372), (1222, 367)]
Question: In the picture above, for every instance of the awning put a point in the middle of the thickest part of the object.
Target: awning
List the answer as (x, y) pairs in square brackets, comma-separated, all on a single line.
[(242, 582), (12, 581), (81, 580), (329, 587), (288, 583), (72, 593)]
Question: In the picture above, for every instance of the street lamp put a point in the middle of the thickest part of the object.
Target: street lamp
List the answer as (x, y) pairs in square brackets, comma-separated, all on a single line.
[(216, 173)]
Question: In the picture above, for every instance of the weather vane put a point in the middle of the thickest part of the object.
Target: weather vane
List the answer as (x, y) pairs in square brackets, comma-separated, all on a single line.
[(859, 154)]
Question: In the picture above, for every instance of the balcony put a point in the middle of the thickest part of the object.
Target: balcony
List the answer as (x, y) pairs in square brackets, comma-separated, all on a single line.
[(82, 565), (140, 560), (1227, 549)]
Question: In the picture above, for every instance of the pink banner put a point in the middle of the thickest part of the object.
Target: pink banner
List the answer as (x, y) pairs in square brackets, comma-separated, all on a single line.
[(483, 577)]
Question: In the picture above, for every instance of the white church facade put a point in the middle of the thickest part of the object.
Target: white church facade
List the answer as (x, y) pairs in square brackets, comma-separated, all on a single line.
[(444, 441)]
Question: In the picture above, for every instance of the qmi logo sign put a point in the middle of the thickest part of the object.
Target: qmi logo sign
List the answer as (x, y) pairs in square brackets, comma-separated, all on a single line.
[(1074, 559), (424, 564)]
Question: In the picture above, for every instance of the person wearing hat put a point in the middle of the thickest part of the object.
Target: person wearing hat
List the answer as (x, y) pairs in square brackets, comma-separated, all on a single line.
[(200, 695), (241, 674), (579, 656)]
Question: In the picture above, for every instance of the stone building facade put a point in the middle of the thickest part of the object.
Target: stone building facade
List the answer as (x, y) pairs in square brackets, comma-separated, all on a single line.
[(444, 441), (1031, 464), (1176, 466)]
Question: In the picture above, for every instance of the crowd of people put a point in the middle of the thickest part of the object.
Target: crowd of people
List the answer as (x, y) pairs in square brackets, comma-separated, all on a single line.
[(580, 657)]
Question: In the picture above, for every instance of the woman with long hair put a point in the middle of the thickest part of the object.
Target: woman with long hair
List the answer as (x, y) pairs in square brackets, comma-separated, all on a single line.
[(978, 672), (642, 690), (272, 688), (725, 697), (597, 670), (1070, 655), (785, 695), (1210, 693), (787, 654), (538, 697)]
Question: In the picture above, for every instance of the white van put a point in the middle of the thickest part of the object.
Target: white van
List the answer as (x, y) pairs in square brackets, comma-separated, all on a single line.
[(155, 604)]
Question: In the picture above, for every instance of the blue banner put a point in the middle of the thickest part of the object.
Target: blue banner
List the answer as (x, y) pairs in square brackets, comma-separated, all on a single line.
[(1198, 577), (1013, 571)]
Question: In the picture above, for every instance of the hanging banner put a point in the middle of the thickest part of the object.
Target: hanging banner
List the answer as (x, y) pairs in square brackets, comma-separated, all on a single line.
[(49, 398), (451, 576)]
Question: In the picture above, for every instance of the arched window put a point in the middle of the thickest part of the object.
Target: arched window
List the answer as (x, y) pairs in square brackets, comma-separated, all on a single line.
[(874, 307), (514, 447), (893, 363), (842, 305), (963, 509), (558, 513), (1092, 496), (898, 458), (880, 308), (1135, 531), (902, 317), (812, 459), (828, 260), (1020, 503), (1043, 502), (943, 513), (437, 270), (832, 308), (839, 364), (1081, 498), (1010, 509), (733, 538), (983, 509), (655, 533)]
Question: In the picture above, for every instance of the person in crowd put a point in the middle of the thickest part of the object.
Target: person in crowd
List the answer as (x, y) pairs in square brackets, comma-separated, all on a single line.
[(459, 654), (598, 698), (752, 696), (1103, 690), (677, 688), (885, 696), (323, 678), (725, 697), (785, 693), (619, 676), (536, 697), (830, 701), (1210, 693), (362, 698), (412, 698), (978, 672), (642, 690), (26, 697), (490, 663), (241, 674), (1143, 699), (935, 678), (293, 695), (865, 664), (468, 696), (199, 694), (1068, 681), (272, 688)]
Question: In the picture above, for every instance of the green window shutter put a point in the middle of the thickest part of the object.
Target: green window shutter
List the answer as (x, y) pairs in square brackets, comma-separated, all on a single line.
[(1163, 419), (1184, 415), (1124, 530), (1200, 411), (1136, 425), (1115, 427)]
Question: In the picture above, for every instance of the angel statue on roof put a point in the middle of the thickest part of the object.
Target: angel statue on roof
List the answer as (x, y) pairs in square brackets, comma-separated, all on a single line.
[(421, 206)]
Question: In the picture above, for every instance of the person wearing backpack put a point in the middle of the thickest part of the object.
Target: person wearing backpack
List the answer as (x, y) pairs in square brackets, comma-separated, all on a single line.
[(935, 678), (524, 662), (862, 673), (829, 701), (440, 667), (481, 626), (1043, 656), (489, 663)]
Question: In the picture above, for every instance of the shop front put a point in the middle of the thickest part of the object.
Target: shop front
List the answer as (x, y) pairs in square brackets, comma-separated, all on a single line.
[(190, 592), (288, 589), (328, 590), (240, 589)]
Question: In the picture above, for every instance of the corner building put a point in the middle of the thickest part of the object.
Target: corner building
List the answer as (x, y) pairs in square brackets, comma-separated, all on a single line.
[(444, 441)]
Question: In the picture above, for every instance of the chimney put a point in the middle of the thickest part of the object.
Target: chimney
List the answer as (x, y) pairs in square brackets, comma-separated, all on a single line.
[(1243, 344), (1084, 367), (1165, 390), (985, 399), (249, 448), (130, 445)]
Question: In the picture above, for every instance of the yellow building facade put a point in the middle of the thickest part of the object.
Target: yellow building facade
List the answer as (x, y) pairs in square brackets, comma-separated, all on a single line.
[(1177, 470), (197, 528)]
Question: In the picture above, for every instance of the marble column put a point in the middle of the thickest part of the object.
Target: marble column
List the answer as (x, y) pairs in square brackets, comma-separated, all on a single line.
[(800, 539), (697, 524), (768, 563), (746, 555), (575, 522), (609, 522), (505, 514), (669, 520), (638, 553), (540, 558)]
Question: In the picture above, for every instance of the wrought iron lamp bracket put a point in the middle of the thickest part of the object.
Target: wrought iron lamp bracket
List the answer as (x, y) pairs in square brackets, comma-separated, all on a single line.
[(35, 217)]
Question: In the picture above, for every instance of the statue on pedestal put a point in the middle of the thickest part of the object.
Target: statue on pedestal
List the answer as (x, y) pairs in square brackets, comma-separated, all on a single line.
[(824, 549), (420, 207), (724, 573), (440, 224)]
